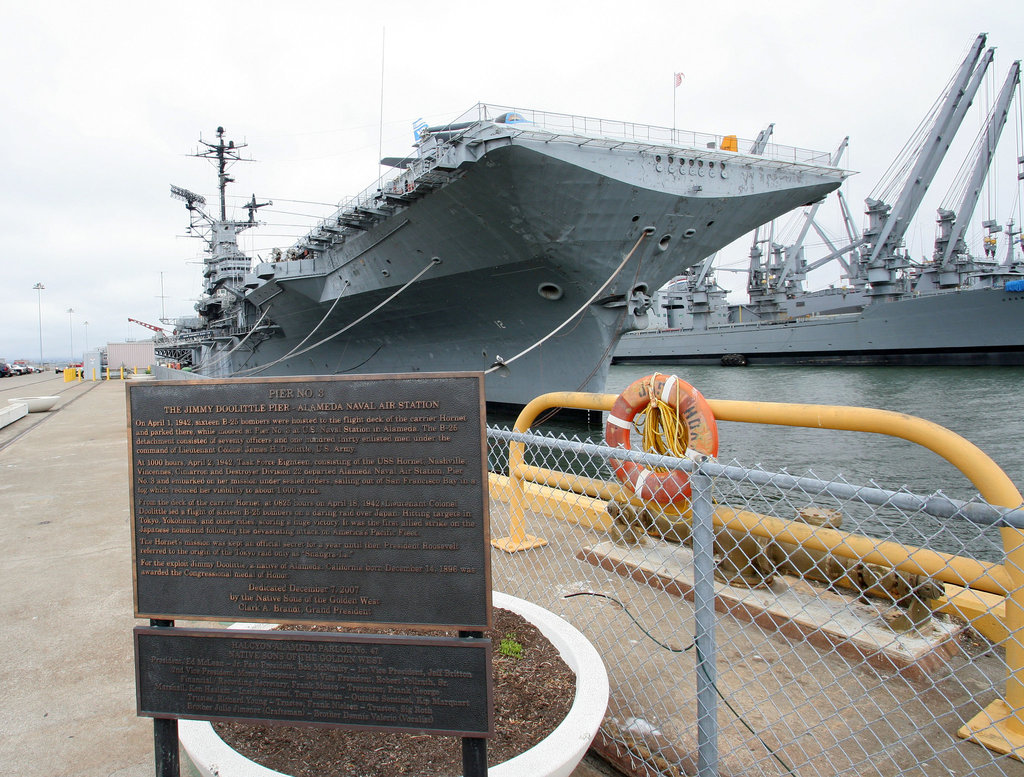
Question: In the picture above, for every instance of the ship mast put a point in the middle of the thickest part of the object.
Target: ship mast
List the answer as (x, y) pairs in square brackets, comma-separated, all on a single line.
[(226, 265), (225, 154)]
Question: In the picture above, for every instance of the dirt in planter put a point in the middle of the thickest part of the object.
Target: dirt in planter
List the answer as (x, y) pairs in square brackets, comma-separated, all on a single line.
[(532, 694)]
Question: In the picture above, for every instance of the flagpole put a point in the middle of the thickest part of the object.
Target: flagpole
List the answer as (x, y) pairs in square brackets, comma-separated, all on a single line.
[(677, 79)]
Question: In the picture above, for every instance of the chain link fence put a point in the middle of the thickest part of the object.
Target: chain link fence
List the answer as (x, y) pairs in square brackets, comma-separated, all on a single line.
[(770, 624)]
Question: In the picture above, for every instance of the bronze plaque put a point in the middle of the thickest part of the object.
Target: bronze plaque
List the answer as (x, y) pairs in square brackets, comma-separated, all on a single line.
[(336, 499), (423, 684)]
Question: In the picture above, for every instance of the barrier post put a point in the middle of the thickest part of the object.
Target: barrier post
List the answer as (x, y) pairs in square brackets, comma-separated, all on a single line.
[(704, 616), (518, 539)]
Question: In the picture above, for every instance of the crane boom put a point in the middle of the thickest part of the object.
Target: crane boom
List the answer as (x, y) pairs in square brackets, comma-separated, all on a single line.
[(154, 327), (983, 160)]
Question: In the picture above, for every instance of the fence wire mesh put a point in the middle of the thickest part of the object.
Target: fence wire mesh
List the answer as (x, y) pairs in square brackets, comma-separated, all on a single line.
[(825, 663)]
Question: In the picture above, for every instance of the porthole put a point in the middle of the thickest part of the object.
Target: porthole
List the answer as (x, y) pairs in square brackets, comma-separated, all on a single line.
[(689, 233), (550, 291), (711, 164), (635, 218), (385, 273), (663, 243), (708, 225)]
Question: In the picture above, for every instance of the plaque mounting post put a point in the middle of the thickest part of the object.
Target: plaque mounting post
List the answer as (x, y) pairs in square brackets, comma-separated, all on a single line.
[(165, 734), (474, 749)]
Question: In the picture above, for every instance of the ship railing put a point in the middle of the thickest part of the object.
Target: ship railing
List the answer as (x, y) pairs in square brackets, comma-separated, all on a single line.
[(750, 626), (572, 128), (646, 134)]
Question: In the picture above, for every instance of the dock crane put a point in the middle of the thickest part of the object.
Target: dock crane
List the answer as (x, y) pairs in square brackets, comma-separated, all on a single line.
[(949, 245), (882, 260), (877, 261)]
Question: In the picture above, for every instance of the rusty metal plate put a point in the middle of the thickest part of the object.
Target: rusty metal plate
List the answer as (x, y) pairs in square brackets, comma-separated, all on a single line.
[(339, 499), (424, 684)]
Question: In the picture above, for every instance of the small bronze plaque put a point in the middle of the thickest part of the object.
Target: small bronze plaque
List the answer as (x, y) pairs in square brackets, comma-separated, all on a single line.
[(338, 499), (423, 684)]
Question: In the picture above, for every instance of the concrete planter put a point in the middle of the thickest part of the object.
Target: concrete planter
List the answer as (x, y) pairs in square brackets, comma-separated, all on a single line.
[(36, 404), (12, 412), (555, 756)]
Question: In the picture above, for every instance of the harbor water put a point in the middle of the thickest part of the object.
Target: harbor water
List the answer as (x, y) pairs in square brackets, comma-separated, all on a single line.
[(983, 405)]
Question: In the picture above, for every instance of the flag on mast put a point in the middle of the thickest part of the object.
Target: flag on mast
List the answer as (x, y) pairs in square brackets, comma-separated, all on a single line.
[(679, 79)]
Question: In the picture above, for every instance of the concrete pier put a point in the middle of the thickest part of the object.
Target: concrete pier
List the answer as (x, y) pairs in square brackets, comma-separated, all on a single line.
[(67, 682)]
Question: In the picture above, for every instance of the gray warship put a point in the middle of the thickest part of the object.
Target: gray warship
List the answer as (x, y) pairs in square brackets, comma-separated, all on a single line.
[(951, 309), (514, 242)]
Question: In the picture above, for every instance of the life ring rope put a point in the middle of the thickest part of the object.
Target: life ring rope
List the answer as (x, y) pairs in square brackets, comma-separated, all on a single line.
[(672, 418), (662, 431)]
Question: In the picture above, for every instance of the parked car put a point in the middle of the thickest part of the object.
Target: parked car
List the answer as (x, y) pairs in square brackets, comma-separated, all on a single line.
[(17, 369), (5, 370)]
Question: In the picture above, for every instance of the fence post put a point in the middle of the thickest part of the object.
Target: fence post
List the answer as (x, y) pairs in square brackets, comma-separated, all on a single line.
[(704, 614)]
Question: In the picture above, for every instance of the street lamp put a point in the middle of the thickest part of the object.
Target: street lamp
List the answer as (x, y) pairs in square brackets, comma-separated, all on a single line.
[(71, 332), (39, 298), (86, 335)]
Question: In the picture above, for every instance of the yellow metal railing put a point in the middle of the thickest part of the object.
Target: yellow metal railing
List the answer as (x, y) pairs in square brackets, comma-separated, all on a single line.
[(1000, 726), (72, 374)]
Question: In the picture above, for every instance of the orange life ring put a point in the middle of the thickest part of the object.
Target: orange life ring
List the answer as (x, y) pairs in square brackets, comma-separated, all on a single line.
[(662, 487)]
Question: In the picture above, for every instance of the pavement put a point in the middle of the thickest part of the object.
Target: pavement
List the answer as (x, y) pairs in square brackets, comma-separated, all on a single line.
[(67, 682)]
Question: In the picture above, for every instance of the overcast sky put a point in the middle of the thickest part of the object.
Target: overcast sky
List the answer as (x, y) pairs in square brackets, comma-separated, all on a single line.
[(102, 103)]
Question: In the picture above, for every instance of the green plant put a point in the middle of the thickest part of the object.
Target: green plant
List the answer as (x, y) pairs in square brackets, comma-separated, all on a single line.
[(509, 647)]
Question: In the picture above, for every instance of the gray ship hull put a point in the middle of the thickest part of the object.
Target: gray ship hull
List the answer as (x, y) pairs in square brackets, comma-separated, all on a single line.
[(517, 232), (970, 327)]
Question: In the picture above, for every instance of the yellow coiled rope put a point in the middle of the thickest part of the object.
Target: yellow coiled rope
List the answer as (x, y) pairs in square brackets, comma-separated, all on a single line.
[(660, 428)]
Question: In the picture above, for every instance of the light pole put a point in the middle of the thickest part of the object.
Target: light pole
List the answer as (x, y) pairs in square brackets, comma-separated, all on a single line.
[(71, 332), (39, 298), (86, 335)]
